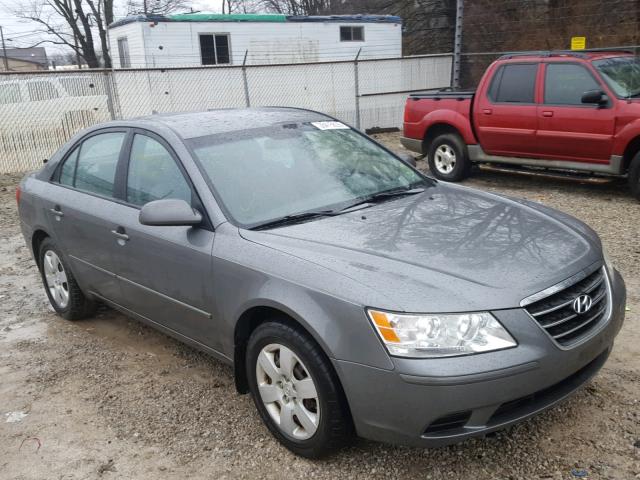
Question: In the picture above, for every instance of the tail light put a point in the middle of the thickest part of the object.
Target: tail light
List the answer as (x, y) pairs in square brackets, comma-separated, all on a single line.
[(18, 193)]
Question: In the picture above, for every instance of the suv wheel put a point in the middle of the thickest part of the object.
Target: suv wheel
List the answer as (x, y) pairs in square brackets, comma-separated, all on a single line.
[(448, 159), (296, 390), (634, 176), (60, 285)]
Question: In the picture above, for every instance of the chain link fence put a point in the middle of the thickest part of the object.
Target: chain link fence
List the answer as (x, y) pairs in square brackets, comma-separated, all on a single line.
[(39, 111)]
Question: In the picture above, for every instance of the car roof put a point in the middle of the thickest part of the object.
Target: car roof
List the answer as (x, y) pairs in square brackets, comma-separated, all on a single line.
[(211, 122), (582, 55)]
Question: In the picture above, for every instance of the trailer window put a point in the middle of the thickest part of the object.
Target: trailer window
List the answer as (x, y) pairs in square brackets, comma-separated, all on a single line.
[(214, 49), (514, 83), (351, 34)]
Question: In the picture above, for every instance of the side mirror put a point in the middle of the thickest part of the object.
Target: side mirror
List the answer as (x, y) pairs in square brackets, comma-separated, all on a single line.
[(169, 213), (595, 96), (408, 159)]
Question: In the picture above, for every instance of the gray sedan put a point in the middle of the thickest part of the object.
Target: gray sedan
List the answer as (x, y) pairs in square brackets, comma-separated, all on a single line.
[(351, 293)]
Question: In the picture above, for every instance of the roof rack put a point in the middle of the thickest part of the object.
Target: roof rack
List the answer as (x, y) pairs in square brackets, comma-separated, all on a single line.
[(560, 53)]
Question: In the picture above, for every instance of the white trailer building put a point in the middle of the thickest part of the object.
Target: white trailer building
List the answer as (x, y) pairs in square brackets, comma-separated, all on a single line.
[(196, 39)]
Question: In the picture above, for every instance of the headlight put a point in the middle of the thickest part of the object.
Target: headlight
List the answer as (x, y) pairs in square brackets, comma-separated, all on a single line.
[(440, 335)]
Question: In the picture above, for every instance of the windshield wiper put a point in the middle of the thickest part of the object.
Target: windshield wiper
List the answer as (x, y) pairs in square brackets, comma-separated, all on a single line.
[(385, 195), (633, 94), (295, 217)]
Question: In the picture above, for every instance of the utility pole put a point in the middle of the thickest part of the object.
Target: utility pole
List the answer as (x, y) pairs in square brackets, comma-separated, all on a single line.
[(457, 44), (4, 52)]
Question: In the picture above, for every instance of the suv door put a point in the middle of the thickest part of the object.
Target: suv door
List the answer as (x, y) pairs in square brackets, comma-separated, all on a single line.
[(83, 213), (506, 116), (165, 272), (567, 128)]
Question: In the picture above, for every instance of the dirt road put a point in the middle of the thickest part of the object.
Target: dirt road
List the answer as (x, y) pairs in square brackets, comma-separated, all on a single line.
[(110, 398)]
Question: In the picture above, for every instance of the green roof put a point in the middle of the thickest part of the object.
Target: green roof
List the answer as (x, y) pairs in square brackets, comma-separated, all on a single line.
[(217, 17)]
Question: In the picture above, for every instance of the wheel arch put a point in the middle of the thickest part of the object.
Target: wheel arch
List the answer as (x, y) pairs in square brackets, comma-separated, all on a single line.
[(251, 319), (36, 240), (630, 151), (436, 130)]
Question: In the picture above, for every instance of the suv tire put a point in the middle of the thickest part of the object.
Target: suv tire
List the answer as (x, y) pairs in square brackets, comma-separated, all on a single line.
[(448, 158)]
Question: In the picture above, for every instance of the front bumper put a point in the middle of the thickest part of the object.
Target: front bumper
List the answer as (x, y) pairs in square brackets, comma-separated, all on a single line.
[(435, 402)]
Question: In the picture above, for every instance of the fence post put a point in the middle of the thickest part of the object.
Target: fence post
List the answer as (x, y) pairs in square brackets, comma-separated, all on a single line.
[(244, 79), (356, 84), (457, 44)]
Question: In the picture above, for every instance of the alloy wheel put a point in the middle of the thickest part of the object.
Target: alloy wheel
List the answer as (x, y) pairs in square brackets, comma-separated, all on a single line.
[(445, 159), (288, 391), (56, 279)]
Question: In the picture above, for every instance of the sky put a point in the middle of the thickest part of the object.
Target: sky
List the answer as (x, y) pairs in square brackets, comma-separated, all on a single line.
[(20, 33)]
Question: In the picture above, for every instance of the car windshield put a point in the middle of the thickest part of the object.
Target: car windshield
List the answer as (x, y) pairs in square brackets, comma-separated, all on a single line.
[(266, 174), (622, 74)]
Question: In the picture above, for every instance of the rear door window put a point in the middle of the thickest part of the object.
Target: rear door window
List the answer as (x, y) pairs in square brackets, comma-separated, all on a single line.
[(97, 162), (514, 83), (565, 83)]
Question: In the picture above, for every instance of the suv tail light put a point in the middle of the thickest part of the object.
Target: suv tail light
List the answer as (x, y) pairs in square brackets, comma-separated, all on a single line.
[(18, 193)]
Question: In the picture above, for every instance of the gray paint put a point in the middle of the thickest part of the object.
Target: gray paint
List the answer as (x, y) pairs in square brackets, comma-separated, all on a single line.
[(448, 249)]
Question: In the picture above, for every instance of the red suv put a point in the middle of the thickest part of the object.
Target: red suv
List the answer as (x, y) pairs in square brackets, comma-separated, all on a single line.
[(576, 111)]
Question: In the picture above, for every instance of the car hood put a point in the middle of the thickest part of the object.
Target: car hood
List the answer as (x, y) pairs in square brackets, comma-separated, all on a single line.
[(448, 249)]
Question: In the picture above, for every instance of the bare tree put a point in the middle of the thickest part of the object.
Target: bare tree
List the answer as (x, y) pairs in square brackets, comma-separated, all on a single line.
[(73, 23), (156, 7)]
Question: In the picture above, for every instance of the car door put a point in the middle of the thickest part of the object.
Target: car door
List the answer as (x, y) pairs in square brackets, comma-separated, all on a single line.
[(82, 209), (567, 128), (506, 117), (165, 272)]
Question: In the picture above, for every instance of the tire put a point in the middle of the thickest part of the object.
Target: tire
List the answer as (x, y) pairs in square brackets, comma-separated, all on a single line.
[(326, 424), (448, 158), (60, 285), (634, 176)]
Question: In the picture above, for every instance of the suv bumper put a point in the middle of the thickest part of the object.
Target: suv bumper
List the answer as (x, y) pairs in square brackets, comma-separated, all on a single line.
[(412, 144), (435, 402)]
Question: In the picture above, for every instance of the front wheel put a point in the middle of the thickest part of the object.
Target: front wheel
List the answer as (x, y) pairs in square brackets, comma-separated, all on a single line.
[(448, 159), (296, 390)]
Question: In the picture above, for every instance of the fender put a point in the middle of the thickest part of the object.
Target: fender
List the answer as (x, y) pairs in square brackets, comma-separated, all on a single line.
[(625, 136), (452, 118)]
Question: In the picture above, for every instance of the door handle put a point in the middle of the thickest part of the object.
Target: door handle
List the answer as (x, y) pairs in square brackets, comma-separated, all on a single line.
[(56, 211), (487, 111), (120, 235), (547, 113)]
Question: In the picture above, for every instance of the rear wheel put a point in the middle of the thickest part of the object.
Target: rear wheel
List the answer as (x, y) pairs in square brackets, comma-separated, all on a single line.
[(296, 391), (634, 176), (60, 285), (448, 158)]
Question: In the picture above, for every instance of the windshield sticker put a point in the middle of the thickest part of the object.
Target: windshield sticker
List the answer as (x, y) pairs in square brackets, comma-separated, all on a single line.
[(330, 125)]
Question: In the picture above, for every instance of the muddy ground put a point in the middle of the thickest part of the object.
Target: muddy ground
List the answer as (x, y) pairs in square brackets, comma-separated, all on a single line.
[(110, 398)]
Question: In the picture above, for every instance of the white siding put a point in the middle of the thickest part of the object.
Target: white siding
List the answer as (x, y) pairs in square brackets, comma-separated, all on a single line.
[(266, 42), (133, 33)]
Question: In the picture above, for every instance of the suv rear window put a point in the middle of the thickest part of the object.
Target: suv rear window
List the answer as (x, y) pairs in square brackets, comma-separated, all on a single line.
[(514, 83)]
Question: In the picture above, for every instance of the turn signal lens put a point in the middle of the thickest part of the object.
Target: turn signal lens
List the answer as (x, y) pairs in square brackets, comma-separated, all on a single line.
[(440, 335), (18, 193)]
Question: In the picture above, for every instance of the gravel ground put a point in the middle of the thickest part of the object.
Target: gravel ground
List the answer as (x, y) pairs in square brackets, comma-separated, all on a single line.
[(111, 398)]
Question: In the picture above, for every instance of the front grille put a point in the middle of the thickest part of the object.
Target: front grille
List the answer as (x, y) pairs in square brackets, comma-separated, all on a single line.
[(557, 316)]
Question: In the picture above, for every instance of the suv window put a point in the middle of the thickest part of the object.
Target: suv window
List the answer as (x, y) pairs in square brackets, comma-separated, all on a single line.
[(565, 83), (97, 162), (153, 173), (514, 83)]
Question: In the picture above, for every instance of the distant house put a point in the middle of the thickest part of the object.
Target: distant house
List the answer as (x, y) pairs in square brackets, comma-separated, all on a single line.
[(197, 39), (24, 59)]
